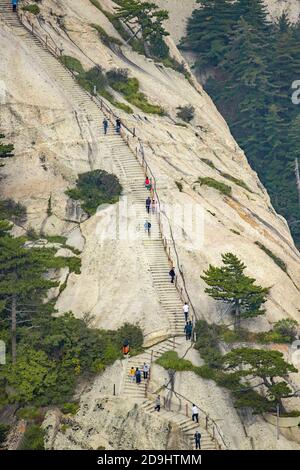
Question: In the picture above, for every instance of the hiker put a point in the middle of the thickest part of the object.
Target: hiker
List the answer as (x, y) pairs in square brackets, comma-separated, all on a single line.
[(145, 371), (132, 374), (147, 183), (157, 403), (148, 204), (14, 5), (153, 206), (195, 413), (172, 275), (147, 226), (105, 125), (186, 330), (186, 311), (197, 437), (138, 376), (118, 125), (190, 330), (125, 348)]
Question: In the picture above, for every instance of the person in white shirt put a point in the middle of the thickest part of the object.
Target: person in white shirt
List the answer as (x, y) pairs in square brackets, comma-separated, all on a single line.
[(145, 371), (195, 413), (186, 311)]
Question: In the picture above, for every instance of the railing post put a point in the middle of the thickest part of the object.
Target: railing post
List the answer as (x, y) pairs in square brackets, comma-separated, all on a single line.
[(114, 390), (173, 342), (186, 410), (206, 423), (213, 432), (46, 40), (133, 132)]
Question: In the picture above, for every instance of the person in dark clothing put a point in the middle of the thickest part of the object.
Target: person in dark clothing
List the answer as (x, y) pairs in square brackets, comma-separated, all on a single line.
[(147, 226), (172, 275), (105, 125), (14, 5), (118, 125), (157, 403), (197, 437), (148, 204), (138, 376), (186, 330), (190, 329)]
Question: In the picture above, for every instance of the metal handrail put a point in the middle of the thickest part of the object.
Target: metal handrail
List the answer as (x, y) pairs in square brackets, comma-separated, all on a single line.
[(208, 419), (111, 115)]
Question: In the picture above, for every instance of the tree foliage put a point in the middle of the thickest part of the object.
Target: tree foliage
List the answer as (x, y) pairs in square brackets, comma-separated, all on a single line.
[(252, 64), (268, 368), (95, 188), (229, 284)]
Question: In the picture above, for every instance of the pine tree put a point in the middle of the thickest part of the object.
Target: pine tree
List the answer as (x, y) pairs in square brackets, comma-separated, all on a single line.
[(229, 284), (267, 367), (254, 13), (145, 17), (208, 31), (23, 284)]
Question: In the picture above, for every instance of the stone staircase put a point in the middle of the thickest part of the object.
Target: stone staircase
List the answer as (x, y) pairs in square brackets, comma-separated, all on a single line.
[(138, 392), (186, 425), (90, 116)]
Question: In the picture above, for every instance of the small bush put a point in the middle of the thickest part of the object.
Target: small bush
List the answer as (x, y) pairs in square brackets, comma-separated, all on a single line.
[(72, 64), (30, 413), (4, 430), (70, 408), (158, 48), (33, 438), (117, 76), (170, 360), (105, 37), (287, 328), (13, 211), (212, 183), (186, 113), (95, 188), (237, 181), (34, 9), (6, 150), (130, 89), (133, 334), (56, 239), (179, 185), (275, 258)]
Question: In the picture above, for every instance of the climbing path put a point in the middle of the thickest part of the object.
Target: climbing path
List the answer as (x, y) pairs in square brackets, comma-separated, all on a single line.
[(89, 116), (186, 425)]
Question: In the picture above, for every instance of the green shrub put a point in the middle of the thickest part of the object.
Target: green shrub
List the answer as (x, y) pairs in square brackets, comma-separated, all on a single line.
[(70, 408), (237, 181), (34, 9), (179, 185), (33, 438), (6, 150), (287, 328), (30, 413), (13, 211), (105, 37), (129, 87), (275, 258), (170, 360), (218, 185), (95, 188), (235, 231), (133, 334), (158, 48), (56, 239), (72, 64), (4, 430), (186, 113)]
